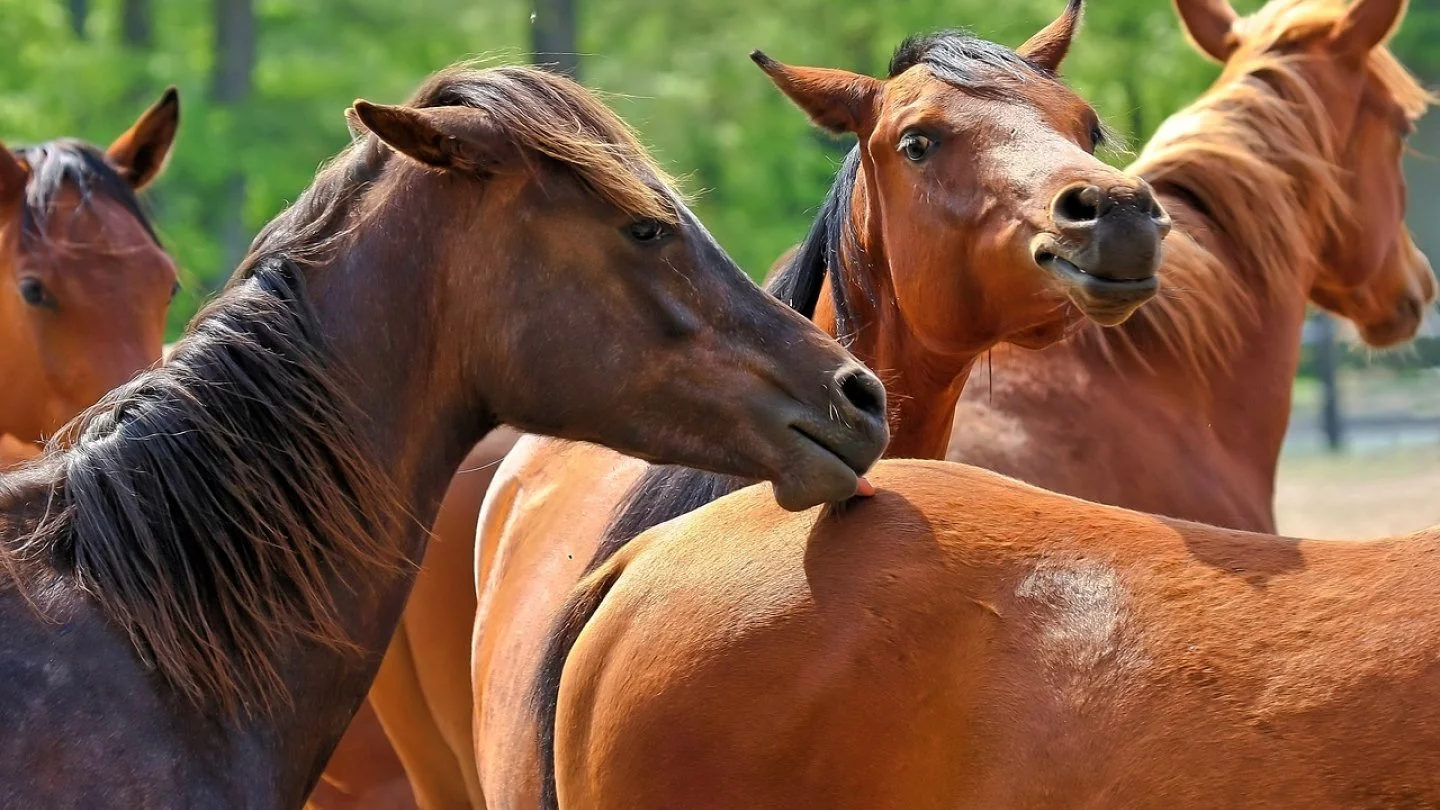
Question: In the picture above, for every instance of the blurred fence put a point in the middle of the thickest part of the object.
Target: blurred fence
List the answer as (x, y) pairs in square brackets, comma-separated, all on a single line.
[(1350, 397)]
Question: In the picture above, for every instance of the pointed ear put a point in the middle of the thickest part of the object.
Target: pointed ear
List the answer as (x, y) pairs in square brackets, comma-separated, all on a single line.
[(836, 100), (453, 138), (14, 174), (1049, 46), (1366, 24), (1210, 24), (140, 153)]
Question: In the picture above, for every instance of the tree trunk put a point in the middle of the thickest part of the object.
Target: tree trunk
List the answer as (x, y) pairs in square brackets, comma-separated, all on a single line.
[(137, 25), (553, 37), (230, 83), (1327, 356), (79, 14), (137, 38)]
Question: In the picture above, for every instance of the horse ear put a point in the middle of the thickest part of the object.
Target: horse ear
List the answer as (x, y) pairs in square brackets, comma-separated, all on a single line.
[(836, 100), (453, 138), (141, 152), (1049, 46), (13, 176), (1210, 24), (1366, 24)]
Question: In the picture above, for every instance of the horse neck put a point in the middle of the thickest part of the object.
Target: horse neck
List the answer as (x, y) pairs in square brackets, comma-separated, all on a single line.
[(380, 310), (1244, 393), (1228, 355), (922, 388)]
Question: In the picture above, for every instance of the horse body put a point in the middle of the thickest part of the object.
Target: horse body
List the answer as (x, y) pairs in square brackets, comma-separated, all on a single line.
[(965, 640), (1283, 180), (214, 558), (534, 491)]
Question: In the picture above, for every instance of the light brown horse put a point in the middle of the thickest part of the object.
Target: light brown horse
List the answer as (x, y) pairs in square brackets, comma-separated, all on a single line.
[(966, 640), (203, 571), (972, 212), (1285, 184), (84, 282)]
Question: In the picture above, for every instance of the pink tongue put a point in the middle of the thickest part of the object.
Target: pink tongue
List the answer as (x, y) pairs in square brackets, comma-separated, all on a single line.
[(865, 488)]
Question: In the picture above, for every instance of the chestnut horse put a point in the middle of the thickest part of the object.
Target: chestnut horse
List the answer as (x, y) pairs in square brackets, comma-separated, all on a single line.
[(1285, 184), (203, 570), (944, 234), (966, 640), (84, 282)]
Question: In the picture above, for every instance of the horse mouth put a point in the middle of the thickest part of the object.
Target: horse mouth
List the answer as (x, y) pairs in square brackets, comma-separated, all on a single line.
[(819, 443), (1396, 330), (817, 472), (1107, 301)]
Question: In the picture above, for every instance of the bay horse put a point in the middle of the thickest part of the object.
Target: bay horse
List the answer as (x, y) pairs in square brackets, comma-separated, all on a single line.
[(963, 639), (203, 570), (84, 280), (971, 208), (1285, 184)]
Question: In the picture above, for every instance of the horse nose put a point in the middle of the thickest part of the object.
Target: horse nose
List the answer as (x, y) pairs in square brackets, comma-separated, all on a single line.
[(861, 396), (1115, 231)]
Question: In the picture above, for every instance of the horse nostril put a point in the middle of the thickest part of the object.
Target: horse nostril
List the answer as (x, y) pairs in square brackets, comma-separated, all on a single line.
[(862, 390), (1077, 205), (1414, 308), (1147, 204)]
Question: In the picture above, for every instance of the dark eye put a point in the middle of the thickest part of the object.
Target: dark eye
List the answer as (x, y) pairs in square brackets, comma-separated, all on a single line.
[(1097, 137), (647, 231), (174, 290), (34, 293), (915, 146)]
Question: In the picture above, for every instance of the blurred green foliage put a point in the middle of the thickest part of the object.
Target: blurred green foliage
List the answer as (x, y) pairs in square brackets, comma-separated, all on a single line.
[(678, 71)]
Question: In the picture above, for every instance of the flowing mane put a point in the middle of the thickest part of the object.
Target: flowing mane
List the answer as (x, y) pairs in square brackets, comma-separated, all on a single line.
[(63, 162), (206, 506), (1257, 155)]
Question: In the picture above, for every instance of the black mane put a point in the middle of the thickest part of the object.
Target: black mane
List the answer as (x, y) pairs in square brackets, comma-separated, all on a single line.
[(69, 162), (965, 61)]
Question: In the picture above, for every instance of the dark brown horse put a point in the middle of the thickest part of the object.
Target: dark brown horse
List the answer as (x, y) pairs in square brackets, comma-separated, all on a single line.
[(84, 282), (204, 570)]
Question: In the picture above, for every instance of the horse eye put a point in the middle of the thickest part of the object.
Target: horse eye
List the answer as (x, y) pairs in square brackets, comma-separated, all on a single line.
[(1097, 138), (915, 146), (174, 290), (33, 291), (647, 231)]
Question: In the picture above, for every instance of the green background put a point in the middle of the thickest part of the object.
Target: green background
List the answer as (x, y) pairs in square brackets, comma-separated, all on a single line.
[(677, 71)]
